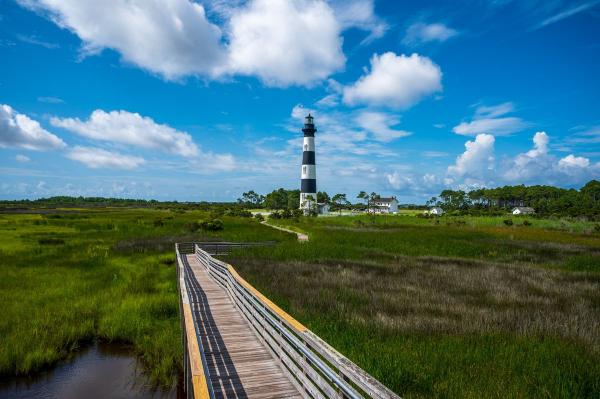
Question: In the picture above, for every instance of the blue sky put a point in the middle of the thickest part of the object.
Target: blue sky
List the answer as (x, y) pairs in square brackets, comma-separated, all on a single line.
[(185, 100)]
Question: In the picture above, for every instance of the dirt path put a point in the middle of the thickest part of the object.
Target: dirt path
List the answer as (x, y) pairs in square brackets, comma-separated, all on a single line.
[(301, 236)]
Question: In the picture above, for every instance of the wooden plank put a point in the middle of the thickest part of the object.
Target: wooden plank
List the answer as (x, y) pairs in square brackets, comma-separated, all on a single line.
[(239, 365), (199, 382)]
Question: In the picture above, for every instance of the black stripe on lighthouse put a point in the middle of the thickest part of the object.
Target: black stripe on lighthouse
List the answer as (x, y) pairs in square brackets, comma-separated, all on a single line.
[(308, 185), (308, 158)]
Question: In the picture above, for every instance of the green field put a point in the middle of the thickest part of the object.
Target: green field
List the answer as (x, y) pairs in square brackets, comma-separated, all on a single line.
[(67, 279), (445, 307)]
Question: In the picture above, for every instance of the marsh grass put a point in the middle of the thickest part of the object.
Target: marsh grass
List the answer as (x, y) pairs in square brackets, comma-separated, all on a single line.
[(474, 309), (434, 327), (69, 279)]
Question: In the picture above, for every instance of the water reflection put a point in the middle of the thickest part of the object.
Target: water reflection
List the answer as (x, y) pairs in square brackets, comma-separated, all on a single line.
[(101, 371)]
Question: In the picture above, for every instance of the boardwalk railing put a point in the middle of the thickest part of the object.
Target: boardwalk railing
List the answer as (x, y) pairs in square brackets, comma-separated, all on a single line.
[(219, 247), (316, 369), (195, 371)]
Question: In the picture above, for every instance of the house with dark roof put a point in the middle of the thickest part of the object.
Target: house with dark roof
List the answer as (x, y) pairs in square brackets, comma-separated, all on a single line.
[(383, 205)]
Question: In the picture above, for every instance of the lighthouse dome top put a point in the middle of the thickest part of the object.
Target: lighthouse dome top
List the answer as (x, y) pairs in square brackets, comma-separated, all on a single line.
[(309, 119)]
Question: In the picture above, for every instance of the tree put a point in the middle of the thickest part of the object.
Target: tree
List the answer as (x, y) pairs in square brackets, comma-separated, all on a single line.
[(340, 201), (251, 199), (310, 206), (323, 197)]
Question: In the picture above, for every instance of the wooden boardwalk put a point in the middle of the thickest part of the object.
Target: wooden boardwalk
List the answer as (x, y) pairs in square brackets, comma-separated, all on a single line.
[(239, 365)]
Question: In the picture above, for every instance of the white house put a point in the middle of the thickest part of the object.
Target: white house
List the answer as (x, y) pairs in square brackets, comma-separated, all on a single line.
[(523, 210), (436, 211), (323, 208), (384, 205)]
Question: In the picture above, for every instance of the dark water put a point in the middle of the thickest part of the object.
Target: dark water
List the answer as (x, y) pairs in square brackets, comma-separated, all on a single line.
[(101, 371)]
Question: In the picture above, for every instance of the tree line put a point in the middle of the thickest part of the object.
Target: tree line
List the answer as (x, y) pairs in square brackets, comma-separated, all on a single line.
[(546, 200)]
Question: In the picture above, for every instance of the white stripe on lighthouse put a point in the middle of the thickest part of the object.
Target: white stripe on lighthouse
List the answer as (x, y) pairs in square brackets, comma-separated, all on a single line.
[(308, 144), (309, 172)]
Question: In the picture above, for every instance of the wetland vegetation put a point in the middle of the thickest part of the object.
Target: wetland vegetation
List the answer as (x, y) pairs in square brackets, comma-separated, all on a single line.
[(457, 306)]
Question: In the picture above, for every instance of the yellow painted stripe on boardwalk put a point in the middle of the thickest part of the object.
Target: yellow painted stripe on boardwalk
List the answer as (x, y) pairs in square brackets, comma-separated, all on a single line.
[(274, 308), (199, 382)]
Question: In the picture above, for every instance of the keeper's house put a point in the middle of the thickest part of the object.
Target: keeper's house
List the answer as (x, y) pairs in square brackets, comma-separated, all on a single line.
[(383, 205)]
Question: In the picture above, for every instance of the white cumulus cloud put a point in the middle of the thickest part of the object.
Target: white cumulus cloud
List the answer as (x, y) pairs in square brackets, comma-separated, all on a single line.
[(420, 33), (397, 81), (571, 161), (19, 130), (96, 158), (281, 42), (539, 166), (172, 38), (285, 42), (130, 128), (477, 162)]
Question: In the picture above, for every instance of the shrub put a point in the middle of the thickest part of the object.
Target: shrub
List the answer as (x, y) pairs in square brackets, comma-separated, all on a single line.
[(526, 223), (212, 225), (275, 215), (239, 212), (158, 223), (51, 241), (508, 222), (259, 217)]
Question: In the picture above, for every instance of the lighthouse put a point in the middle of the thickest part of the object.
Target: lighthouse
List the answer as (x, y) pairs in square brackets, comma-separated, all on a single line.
[(308, 182)]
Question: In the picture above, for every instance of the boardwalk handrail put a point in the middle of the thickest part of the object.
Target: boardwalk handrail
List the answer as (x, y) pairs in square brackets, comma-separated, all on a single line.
[(317, 370), (195, 372), (220, 247)]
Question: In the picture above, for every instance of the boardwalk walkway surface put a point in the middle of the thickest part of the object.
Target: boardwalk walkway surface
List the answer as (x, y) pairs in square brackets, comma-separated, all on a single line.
[(239, 364)]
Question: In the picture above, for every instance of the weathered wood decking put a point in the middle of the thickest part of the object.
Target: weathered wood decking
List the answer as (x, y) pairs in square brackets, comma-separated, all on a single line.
[(239, 364), (239, 344)]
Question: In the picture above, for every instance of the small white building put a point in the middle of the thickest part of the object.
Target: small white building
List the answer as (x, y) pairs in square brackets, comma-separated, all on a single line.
[(384, 205), (523, 210), (323, 208), (436, 211)]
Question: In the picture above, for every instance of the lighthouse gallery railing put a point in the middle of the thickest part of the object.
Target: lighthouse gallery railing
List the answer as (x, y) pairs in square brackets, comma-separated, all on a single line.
[(317, 370)]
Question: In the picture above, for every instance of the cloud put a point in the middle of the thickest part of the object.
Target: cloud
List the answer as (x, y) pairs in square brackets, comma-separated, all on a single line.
[(96, 158), (285, 42), (18, 130), (22, 158), (571, 161), (360, 14), (567, 13), (330, 100), (37, 42), (420, 33), (175, 38), (585, 135), (477, 162), (491, 120), (395, 81), (51, 100), (539, 166), (172, 38), (380, 124), (130, 128)]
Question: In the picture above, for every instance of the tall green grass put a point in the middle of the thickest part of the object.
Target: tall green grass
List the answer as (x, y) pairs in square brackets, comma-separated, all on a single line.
[(69, 279), (446, 307)]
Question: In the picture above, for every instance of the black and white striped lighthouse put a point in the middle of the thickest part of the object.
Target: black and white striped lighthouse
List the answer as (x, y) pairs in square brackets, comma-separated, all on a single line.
[(308, 183)]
